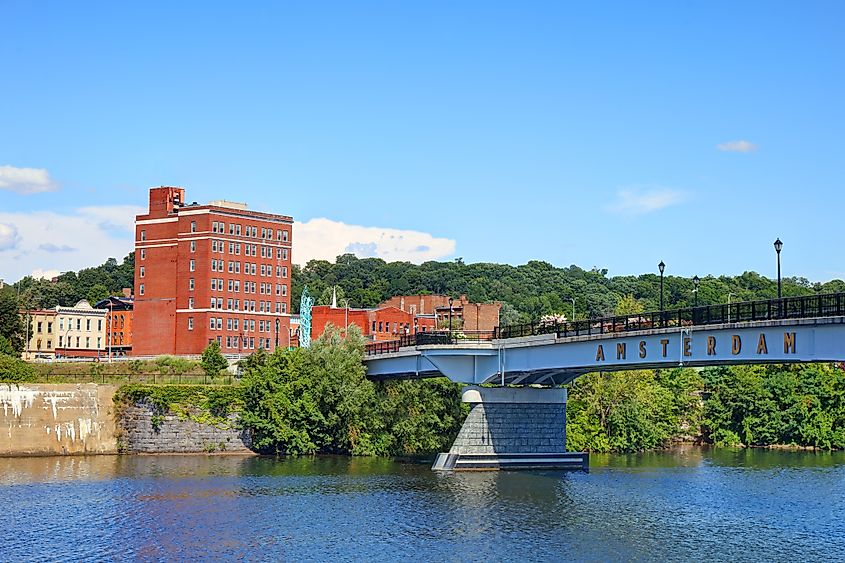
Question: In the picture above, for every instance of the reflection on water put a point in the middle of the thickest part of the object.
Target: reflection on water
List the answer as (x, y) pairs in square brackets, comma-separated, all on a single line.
[(689, 504)]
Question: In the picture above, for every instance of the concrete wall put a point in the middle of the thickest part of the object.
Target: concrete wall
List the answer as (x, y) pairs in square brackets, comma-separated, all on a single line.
[(55, 419), (169, 433)]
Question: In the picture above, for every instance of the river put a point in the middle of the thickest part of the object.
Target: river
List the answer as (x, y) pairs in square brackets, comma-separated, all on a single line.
[(683, 505)]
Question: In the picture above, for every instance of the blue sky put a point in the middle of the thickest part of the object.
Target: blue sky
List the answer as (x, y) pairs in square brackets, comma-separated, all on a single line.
[(607, 134)]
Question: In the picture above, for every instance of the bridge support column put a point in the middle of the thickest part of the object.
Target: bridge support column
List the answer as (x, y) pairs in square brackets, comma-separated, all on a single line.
[(512, 428)]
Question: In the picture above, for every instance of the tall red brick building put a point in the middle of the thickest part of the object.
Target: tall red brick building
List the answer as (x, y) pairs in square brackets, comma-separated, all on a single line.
[(210, 272)]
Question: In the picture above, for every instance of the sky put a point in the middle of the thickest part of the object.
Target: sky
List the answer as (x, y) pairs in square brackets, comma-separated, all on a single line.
[(603, 134)]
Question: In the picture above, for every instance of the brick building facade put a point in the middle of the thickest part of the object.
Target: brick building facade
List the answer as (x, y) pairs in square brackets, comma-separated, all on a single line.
[(470, 316), (384, 323), (210, 272), (118, 324)]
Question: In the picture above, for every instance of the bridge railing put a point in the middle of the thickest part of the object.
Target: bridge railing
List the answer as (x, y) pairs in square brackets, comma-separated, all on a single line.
[(808, 306), (804, 307)]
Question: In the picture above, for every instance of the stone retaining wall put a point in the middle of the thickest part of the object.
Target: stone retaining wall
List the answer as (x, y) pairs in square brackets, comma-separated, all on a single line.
[(142, 431), (492, 428)]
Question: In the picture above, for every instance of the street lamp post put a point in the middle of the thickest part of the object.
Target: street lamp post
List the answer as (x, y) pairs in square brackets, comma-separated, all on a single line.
[(778, 247), (729, 306), (573, 308), (695, 281), (661, 267), (110, 324), (450, 318)]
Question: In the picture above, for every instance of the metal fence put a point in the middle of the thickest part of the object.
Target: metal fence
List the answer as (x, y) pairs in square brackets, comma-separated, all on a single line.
[(125, 378), (804, 307)]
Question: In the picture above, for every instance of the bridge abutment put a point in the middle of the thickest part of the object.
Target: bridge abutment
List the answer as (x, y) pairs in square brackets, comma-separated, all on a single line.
[(512, 428)]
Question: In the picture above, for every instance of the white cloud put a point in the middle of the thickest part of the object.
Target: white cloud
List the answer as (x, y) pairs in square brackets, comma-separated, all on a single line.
[(638, 201), (26, 180), (737, 146), (8, 236), (44, 274), (326, 239), (48, 242)]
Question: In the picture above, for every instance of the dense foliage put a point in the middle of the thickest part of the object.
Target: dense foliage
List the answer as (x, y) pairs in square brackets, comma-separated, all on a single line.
[(802, 405), (15, 370), (317, 400), (535, 289), (763, 405), (93, 284), (527, 292)]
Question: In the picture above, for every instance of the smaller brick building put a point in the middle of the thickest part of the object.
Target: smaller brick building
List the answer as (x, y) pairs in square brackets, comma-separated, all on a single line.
[(383, 323), (470, 316), (118, 323)]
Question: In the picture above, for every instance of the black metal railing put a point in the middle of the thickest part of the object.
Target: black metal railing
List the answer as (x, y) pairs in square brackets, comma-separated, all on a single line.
[(805, 307), (809, 306)]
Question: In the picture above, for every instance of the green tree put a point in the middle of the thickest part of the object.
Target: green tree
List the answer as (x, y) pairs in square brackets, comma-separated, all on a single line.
[(11, 324), (14, 370), (6, 346), (628, 305), (212, 360), (97, 293)]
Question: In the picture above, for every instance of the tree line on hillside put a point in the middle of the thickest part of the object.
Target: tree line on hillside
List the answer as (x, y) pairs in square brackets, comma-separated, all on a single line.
[(528, 292)]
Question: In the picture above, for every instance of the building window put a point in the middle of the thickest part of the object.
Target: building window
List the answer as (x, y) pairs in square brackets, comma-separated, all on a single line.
[(77, 342), (284, 307), (192, 265), (62, 325), (99, 325), (193, 246), (193, 226), (142, 271), (78, 324), (284, 254), (87, 324), (285, 236), (143, 234), (284, 289), (99, 342), (190, 323), (141, 289), (143, 254), (39, 326), (49, 328), (191, 284), (190, 302), (87, 341), (279, 234), (284, 271)]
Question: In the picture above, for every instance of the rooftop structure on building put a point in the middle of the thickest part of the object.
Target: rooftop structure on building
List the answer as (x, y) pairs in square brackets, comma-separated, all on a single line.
[(210, 272)]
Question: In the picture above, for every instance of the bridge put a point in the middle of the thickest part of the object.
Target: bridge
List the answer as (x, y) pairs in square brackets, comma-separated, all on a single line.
[(789, 330)]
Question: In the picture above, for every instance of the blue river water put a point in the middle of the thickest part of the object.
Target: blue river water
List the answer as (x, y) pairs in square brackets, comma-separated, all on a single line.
[(683, 505)]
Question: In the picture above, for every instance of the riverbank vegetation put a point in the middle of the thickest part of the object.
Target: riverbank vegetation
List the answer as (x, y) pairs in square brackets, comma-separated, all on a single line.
[(760, 405), (317, 400)]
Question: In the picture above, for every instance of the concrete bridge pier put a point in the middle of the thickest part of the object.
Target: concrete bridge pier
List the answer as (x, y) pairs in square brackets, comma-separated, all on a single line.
[(512, 428)]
